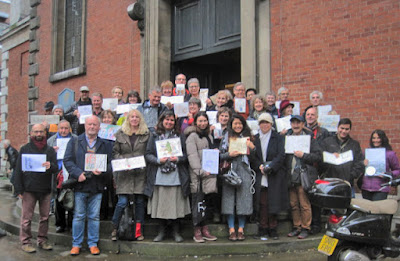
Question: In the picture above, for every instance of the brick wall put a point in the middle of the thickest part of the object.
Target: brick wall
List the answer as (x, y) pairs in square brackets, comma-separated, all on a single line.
[(112, 51), (349, 50), (17, 83)]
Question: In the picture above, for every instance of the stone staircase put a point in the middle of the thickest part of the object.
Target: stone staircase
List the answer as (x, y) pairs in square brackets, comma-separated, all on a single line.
[(10, 210)]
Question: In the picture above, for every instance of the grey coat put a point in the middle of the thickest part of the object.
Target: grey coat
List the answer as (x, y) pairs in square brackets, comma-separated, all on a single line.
[(194, 148), (240, 197), (130, 181)]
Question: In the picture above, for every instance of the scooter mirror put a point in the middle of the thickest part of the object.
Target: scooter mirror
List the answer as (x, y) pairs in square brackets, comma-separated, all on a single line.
[(370, 171)]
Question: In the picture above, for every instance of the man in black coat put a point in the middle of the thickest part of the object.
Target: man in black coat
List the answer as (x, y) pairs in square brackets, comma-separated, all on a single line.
[(271, 195), (72, 113), (33, 183), (341, 143)]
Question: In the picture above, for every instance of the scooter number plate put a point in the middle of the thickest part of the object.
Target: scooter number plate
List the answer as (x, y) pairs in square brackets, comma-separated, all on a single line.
[(327, 245)]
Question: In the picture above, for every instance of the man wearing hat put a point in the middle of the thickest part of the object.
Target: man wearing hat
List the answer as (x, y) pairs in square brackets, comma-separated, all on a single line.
[(48, 107), (72, 114), (271, 195), (296, 163)]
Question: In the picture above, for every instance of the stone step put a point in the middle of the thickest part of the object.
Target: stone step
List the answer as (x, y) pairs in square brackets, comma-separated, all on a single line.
[(9, 220)]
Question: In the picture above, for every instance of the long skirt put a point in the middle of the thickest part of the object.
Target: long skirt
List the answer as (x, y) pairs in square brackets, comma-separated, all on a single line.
[(168, 203)]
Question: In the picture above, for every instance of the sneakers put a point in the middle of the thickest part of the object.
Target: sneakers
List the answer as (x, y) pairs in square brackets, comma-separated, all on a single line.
[(197, 236), (295, 232), (45, 246), (207, 235), (240, 236), (114, 235), (28, 248), (75, 251), (303, 234), (232, 236), (94, 250)]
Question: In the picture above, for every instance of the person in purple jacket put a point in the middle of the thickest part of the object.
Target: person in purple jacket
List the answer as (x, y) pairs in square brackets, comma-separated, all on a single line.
[(371, 185)]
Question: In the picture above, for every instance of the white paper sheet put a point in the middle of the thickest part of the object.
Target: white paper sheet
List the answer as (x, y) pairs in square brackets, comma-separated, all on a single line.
[(110, 104), (238, 144), (50, 119), (324, 110), (181, 109), (376, 158), (240, 105), (33, 162), (217, 131), (212, 117), (329, 122), (283, 123), (210, 161), (296, 108), (180, 90), (169, 148), (95, 162), (343, 157), (62, 145), (172, 99), (107, 131), (203, 98), (128, 163), (84, 112), (253, 125), (297, 143)]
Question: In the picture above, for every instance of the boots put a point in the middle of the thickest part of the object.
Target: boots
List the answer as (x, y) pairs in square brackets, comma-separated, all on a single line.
[(161, 232), (198, 238), (114, 235), (175, 232), (138, 232), (207, 235)]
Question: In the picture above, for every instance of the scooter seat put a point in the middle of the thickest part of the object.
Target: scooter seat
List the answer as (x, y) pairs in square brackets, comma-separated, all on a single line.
[(387, 206)]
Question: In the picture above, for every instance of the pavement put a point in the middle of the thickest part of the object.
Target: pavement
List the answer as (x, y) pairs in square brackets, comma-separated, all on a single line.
[(10, 209)]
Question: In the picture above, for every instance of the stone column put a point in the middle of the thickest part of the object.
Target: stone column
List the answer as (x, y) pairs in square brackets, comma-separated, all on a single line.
[(248, 43), (264, 47)]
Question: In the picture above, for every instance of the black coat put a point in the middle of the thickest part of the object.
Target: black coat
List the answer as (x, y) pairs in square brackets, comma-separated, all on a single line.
[(309, 160), (153, 164), (35, 181), (12, 155), (278, 198), (349, 170)]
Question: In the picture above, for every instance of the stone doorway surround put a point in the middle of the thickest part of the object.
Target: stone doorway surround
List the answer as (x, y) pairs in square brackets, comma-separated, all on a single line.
[(255, 44)]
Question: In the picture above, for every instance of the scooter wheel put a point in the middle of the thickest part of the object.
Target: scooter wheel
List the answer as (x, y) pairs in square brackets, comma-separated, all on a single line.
[(340, 248)]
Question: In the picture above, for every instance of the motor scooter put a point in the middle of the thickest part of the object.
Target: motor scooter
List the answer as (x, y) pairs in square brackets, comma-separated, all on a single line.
[(358, 229)]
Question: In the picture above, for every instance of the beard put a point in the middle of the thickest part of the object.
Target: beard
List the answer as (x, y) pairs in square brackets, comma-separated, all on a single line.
[(38, 138)]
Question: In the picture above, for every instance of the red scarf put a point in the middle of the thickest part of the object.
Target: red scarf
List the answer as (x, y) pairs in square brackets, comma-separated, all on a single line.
[(40, 144)]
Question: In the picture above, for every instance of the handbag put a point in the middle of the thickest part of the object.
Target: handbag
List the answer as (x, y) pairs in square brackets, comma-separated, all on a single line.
[(67, 199), (127, 225), (198, 205), (305, 179), (224, 167), (232, 178)]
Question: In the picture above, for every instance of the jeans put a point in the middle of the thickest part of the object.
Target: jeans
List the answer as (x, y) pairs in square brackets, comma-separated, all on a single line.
[(231, 221), (123, 202), (86, 205)]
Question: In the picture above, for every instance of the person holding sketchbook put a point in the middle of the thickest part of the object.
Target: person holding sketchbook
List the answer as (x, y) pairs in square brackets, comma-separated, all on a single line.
[(131, 141), (340, 143), (371, 186), (198, 139)]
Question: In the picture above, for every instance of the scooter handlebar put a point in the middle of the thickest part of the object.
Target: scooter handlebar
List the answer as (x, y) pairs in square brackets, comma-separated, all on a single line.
[(392, 183)]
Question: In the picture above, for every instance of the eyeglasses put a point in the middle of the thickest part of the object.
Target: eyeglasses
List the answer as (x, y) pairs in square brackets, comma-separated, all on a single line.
[(38, 131), (193, 86)]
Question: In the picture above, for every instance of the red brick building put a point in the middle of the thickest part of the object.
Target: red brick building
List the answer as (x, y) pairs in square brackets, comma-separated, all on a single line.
[(349, 50)]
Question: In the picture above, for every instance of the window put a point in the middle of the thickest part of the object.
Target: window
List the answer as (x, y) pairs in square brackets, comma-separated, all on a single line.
[(68, 43)]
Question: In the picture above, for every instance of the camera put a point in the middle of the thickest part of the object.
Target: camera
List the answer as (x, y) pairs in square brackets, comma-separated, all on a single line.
[(70, 183)]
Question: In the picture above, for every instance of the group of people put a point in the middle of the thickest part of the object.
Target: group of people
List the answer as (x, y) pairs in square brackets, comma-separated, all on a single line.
[(270, 178)]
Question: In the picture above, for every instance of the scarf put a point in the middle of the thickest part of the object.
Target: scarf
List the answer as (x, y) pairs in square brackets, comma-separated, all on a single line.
[(39, 144)]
